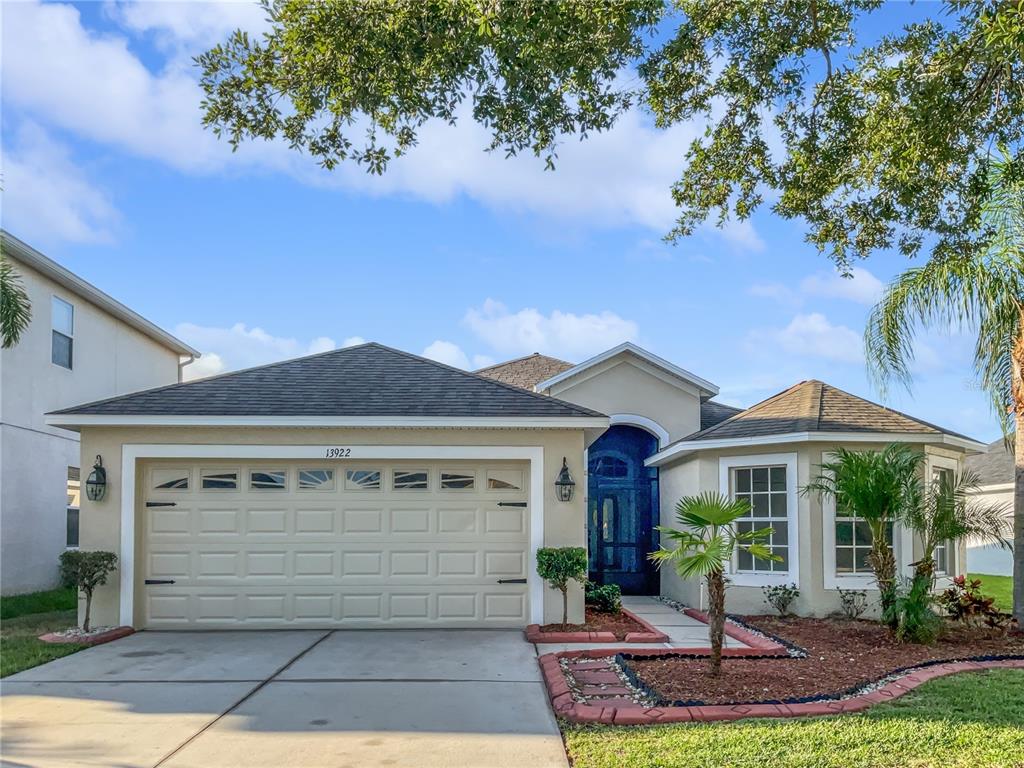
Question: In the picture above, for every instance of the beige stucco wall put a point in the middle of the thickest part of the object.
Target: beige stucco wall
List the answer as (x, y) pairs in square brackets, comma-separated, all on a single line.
[(632, 386), (101, 521), (110, 358), (700, 472)]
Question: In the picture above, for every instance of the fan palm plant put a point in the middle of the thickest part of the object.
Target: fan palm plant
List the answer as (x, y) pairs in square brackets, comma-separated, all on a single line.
[(946, 512), (703, 547), (984, 293), (15, 310), (878, 487)]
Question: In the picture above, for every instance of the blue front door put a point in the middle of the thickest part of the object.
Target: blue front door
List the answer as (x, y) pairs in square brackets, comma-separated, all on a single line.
[(623, 510)]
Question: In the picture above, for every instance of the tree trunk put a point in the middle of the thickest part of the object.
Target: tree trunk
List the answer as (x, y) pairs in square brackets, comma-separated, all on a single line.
[(565, 608), (88, 609), (1017, 393), (716, 620), (883, 564)]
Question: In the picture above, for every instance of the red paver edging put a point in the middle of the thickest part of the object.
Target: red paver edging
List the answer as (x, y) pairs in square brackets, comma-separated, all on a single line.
[(650, 635), (735, 631), (620, 710), (103, 637)]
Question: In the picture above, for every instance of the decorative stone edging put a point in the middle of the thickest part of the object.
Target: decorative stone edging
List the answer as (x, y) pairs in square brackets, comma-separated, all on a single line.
[(734, 628), (651, 634), (98, 639), (621, 707)]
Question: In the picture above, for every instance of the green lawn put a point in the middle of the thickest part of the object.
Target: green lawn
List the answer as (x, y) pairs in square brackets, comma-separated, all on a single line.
[(970, 720), (999, 587), (23, 618)]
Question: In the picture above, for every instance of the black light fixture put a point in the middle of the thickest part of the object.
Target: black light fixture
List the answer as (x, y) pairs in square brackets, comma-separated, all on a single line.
[(564, 485), (96, 485)]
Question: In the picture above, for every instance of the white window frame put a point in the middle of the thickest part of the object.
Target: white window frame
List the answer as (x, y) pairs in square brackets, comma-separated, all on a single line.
[(953, 564), (726, 465), (71, 336), (902, 542)]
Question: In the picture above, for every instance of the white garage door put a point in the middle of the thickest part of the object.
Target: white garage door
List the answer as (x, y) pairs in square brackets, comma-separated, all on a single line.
[(359, 544)]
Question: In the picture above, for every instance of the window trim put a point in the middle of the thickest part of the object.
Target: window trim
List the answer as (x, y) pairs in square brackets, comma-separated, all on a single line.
[(902, 540), (54, 298), (954, 566), (725, 466)]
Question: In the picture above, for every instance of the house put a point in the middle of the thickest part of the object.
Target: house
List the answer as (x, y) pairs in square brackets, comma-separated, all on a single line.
[(995, 470), (368, 487), (80, 345)]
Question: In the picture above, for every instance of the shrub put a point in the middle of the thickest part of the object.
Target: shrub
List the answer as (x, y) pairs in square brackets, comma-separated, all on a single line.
[(604, 597), (964, 602), (560, 565), (911, 613), (85, 571), (781, 596), (853, 602)]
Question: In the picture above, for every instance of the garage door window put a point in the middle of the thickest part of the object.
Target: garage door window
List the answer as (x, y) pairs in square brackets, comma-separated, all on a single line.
[(268, 480), (410, 480), (504, 480), (219, 480), (316, 479), (170, 479), (362, 479), (457, 481)]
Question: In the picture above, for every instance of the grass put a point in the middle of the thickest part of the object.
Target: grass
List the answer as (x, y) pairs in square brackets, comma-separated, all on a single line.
[(999, 587), (970, 720), (24, 618), (12, 606)]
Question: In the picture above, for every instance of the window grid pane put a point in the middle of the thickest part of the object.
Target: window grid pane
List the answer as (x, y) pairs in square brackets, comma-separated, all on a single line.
[(853, 543), (764, 488)]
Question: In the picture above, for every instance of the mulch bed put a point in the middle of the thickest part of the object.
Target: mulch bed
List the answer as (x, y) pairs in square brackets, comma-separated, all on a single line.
[(841, 655), (597, 621)]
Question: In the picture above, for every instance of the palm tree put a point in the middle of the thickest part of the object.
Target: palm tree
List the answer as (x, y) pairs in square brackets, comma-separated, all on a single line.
[(946, 512), (15, 310), (878, 487), (985, 293), (704, 546)]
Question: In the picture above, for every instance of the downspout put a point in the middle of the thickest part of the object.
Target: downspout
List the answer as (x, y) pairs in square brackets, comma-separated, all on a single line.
[(181, 365)]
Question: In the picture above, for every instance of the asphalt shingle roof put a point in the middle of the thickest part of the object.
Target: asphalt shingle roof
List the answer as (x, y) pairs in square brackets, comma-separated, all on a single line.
[(712, 413), (995, 466), (814, 406), (366, 380), (526, 372)]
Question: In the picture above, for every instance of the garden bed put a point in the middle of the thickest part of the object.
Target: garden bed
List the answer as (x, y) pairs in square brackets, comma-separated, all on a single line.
[(598, 627), (842, 656)]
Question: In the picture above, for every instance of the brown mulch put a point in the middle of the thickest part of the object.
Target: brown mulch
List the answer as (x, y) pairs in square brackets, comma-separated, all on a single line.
[(598, 621), (841, 654)]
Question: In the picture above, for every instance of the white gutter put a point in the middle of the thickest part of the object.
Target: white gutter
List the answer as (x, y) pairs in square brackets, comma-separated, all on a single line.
[(688, 446), (26, 254)]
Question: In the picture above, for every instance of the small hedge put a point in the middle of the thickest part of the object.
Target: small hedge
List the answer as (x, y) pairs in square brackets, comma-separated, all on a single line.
[(606, 598)]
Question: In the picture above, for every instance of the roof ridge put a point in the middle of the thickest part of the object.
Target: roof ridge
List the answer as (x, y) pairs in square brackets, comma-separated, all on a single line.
[(519, 360), (767, 400), (821, 402)]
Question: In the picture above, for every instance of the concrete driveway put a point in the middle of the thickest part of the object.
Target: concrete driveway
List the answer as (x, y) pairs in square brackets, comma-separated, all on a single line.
[(420, 698)]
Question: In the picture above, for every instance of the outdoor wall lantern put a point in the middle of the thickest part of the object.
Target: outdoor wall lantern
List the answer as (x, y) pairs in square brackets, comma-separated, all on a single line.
[(564, 485), (96, 485)]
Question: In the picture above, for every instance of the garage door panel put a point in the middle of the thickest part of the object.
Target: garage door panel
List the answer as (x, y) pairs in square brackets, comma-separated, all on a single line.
[(338, 554)]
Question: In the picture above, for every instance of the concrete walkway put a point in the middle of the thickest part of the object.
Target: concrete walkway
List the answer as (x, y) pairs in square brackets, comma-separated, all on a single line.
[(682, 630), (424, 698)]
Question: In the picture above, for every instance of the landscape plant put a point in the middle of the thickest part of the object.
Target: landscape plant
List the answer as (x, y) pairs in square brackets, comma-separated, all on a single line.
[(853, 602), (910, 614), (15, 308), (85, 571), (606, 598), (560, 565), (963, 601), (703, 545), (780, 596), (878, 487)]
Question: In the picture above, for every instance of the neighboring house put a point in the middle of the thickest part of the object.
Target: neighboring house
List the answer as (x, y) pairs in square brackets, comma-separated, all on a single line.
[(80, 345), (368, 487), (995, 470)]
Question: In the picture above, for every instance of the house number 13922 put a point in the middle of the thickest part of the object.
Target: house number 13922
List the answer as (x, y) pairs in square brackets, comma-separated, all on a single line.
[(339, 453)]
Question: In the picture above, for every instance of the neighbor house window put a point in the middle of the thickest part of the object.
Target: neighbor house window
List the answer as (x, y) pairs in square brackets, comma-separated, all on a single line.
[(62, 321), (766, 490), (71, 514)]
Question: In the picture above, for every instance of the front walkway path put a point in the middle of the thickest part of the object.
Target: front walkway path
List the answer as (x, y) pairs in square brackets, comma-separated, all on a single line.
[(424, 698), (683, 631)]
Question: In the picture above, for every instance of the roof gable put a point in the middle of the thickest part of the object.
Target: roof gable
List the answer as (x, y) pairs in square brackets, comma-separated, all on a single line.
[(369, 380), (525, 372)]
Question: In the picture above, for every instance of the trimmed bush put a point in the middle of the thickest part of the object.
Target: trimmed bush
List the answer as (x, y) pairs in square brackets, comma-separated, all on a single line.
[(86, 571), (604, 597), (781, 596), (560, 565)]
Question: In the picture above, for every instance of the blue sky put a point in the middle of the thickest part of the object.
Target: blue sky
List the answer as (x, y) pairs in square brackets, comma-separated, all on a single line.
[(467, 257)]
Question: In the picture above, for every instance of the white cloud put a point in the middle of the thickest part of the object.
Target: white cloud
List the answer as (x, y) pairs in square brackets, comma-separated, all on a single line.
[(811, 335), (738, 233), (241, 347), (210, 364), (448, 353), (776, 291), (861, 287), (46, 196), (483, 361), (194, 22), (559, 333), (353, 341)]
